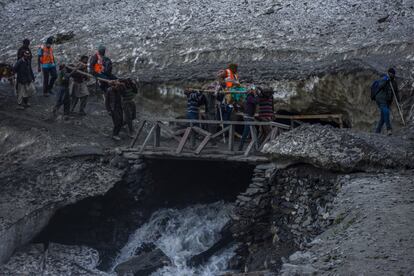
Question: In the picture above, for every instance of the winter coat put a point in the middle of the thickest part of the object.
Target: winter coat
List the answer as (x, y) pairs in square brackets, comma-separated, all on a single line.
[(113, 101), (24, 71), (194, 101), (250, 105), (385, 94), (265, 106)]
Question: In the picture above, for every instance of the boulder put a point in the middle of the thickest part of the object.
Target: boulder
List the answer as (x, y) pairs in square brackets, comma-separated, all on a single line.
[(342, 149), (143, 264)]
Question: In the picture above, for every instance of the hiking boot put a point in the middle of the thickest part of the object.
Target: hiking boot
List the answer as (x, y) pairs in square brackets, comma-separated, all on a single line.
[(389, 132), (20, 107), (116, 138)]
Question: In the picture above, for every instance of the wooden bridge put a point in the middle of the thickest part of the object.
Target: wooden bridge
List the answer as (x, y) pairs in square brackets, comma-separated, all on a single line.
[(201, 139)]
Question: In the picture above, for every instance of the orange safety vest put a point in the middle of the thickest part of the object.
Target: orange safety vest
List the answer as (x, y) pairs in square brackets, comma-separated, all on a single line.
[(230, 77), (98, 67), (47, 55)]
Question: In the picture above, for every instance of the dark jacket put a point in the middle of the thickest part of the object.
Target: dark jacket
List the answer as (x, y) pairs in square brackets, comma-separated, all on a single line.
[(265, 103), (194, 101), (23, 69), (113, 101), (385, 94), (250, 105), (63, 78), (107, 65), (21, 51), (78, 77)]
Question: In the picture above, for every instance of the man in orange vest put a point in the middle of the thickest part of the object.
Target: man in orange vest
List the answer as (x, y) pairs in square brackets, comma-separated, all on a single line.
[(96, 64), (47, 65), (228, 78), (101, 66)]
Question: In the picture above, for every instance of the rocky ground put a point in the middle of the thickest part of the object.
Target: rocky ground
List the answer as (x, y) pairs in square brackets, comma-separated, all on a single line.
[(371, 231), (187, 40), (48, 163)]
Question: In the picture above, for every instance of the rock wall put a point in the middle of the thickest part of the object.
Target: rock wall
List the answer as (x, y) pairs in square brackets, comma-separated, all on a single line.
[(186, 40), (280, 212), (31, 194)]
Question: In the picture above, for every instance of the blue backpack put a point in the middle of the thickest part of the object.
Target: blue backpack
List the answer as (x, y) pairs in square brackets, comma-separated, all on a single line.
[(376, 87)]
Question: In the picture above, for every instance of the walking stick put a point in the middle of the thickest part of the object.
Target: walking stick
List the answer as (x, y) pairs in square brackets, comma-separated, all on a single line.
[(221, 119), (396, 102)]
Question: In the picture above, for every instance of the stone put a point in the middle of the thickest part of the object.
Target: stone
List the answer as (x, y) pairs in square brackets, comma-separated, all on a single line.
[(341, 150), (299, 257), (258, 179), (243, 198), (143, 264)]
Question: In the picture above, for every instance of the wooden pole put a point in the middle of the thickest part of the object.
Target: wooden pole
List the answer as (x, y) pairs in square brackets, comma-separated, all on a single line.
[(396, 102), (87, 74)]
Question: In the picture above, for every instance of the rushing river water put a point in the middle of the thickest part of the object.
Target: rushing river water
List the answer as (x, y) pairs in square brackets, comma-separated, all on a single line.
[(182, 234)]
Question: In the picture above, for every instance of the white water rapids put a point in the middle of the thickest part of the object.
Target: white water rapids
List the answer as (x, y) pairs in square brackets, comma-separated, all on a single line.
[(182, 234)]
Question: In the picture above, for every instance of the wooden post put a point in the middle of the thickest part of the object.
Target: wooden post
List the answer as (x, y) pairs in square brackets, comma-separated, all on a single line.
[(203, 144), (140, 127), (292, 124), (341, 123), (147, 139), (193, 137), (231, 138), (183, 140), (254, 137), (157, 135)]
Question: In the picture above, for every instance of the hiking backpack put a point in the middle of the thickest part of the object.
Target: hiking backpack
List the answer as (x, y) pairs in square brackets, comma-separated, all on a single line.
[(376, 87)]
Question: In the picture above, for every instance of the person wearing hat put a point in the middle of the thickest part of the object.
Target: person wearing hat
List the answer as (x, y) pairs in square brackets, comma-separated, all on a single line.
[(25, 47), (47, 65), (384, 99), (101, 67), (25, 80)]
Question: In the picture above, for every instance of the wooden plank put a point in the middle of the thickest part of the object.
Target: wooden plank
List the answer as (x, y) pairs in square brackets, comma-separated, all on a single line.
[(201, 131), (140, 127), (215, 122), (183, 140), (308, 117), (274, 133), (267, 139), (224, 130), (169, 131), (254, 136), (203, 144), (157, 135), (147, 138), (179, 132), (249, 148), (231, 138)]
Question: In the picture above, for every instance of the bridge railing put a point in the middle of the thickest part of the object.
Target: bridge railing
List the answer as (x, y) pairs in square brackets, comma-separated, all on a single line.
[(184, 131)]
